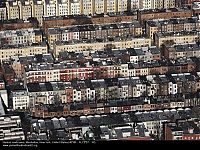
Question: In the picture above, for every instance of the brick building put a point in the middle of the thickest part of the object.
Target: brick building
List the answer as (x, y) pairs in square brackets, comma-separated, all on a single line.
[(61, 21), (163, 14)]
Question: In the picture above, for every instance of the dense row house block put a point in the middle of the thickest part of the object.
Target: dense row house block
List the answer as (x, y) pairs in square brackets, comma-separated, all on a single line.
[(51, 8), (152, 14), (86, 57), (97, 91), (101, 44), (70, 71), (113, 56), (141, 54), (16, 24), (120, 42), (87, 37), (39, 8), (101, 64), (172, 38), (141, 16), (178, 51), (8, 51), (182, 124), (63, 21), (94, 31), (22, 36), (111, 107), (172, 25)]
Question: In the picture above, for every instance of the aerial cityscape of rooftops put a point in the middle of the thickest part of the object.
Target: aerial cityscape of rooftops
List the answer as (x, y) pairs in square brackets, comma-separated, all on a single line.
[(99, 70)]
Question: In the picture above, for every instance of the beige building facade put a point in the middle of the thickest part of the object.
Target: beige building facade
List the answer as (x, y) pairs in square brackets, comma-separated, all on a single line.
[(118, 44)]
